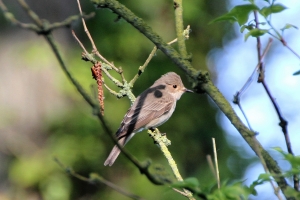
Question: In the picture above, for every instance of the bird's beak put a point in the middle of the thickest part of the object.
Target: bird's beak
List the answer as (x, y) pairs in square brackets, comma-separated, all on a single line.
[(187, 90)]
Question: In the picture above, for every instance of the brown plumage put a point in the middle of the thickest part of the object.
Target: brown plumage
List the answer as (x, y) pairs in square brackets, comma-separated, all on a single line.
[(151, 108)]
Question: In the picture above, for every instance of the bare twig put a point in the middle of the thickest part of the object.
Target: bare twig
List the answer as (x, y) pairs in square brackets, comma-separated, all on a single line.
[(94, 179), (163, 142), (261, 79), (178, 9), (31, 13), (238, 95), (280, 38), (211, 166), (186, 33), (283, 122), (95, 50), (216, 162)]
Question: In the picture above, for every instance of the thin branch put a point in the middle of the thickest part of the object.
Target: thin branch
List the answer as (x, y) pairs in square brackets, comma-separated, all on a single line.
[(261, 79), (140, 25), (89, 57), (68, 21), (151, 55), (216, 162), (238, 95), (250, 79), (178, 7), (162, 141), (94, 179), (31, 13), (186, 34), (211, 166), (287, 46), (95, 50), (281, 39), (283, 123), (142, 68)]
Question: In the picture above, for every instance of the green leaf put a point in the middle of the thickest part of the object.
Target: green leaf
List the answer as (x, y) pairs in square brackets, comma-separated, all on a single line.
[(256, 33), (275, 8), (248, 27), (293, 160), (233, 191), (296, 73), (189, 183), (238, 14), (262, 178), (243, 28), (288, 26)]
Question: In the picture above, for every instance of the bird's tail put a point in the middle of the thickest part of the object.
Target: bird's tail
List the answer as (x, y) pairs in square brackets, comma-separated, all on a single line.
[(114, 154)]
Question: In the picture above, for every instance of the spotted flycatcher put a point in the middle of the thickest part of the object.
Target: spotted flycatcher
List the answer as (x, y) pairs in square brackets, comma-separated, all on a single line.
[(151, 109)]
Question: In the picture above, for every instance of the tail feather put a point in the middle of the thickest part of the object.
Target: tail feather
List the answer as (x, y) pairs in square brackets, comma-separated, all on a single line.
[(112, 156), (114, 153)]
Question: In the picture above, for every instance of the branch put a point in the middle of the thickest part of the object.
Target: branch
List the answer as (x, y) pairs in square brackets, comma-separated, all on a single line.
[(140, 25), (162, 141), (237, 96), (39, 27), (94, 179), (261, 79), (186, 33), (179, 28)]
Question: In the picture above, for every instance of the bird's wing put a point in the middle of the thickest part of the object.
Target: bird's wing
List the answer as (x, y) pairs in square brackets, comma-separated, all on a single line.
[(141, 113)]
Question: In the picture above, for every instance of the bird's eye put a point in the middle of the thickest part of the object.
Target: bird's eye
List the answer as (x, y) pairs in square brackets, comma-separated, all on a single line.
[(174, 86)]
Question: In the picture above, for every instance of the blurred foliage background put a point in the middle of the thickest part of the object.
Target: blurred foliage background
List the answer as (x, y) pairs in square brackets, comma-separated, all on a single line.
[(43, 116)]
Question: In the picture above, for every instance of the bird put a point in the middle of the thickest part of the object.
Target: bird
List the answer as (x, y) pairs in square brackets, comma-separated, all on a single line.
[(152, 108)]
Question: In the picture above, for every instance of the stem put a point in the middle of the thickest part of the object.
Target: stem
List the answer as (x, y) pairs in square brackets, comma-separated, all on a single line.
[(163, 142), (179, 28)]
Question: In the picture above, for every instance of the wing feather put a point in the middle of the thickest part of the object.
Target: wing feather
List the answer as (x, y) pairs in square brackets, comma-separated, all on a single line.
[(145, 109)]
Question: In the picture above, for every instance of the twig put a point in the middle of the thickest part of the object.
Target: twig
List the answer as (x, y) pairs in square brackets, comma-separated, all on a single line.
[(186, 33), (216, 162), (140, 25), (95, 178), (211, 166), (281, 39), (31, 13), (250, 79), (261, 78), (178, 7), (162, 141), (68, 21), (238, 95), (95, 50), (283, 122), (263, 162), (89, 57)]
